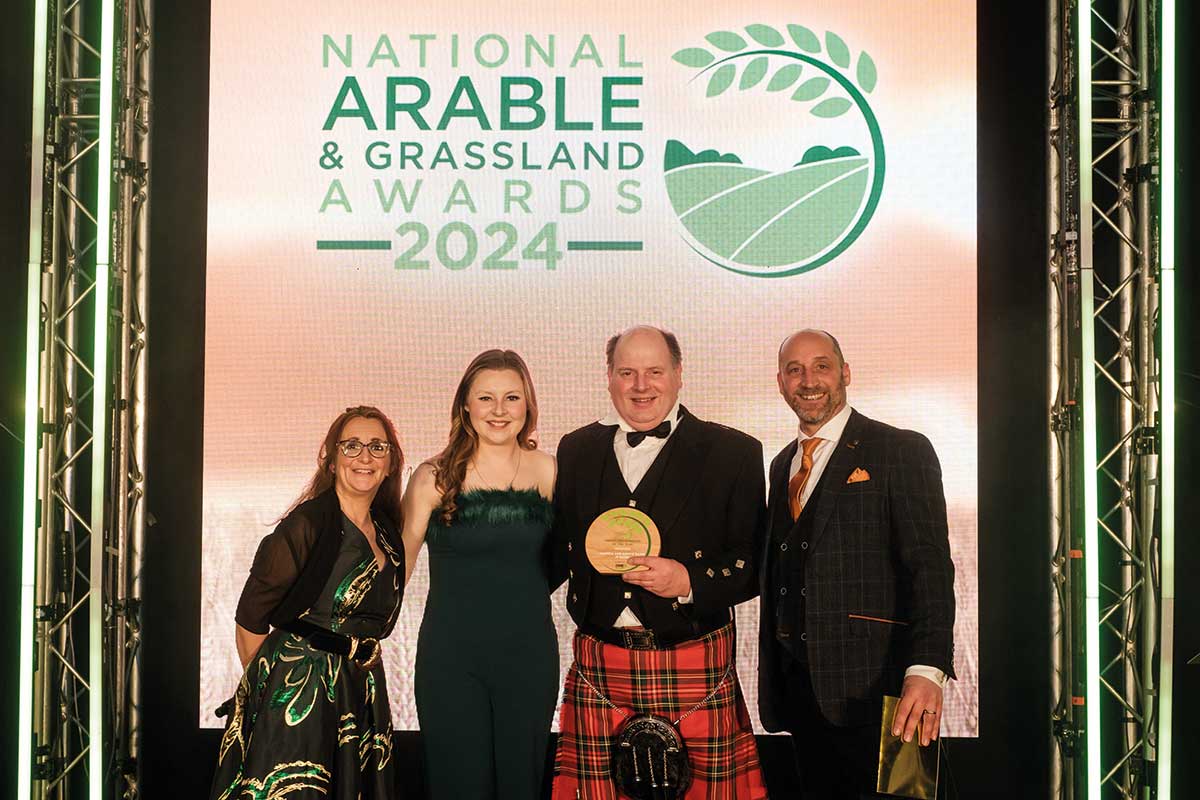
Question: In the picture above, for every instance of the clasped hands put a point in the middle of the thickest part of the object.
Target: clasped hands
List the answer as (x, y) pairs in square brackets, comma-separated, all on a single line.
[(664, 577)]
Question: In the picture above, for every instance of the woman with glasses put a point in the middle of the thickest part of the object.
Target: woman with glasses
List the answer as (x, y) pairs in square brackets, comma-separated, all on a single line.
[(487, 656), (310, 714)]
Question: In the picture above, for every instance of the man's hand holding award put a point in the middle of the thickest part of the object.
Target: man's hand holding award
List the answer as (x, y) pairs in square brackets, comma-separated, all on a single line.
[(624, 541)]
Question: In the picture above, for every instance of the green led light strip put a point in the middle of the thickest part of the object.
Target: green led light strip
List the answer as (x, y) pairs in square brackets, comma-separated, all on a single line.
[(29, 492), (100, 444), (1166, 464), (1091, 549)]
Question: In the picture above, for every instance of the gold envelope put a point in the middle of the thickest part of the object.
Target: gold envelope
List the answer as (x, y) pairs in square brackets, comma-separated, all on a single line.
[(905, 768)]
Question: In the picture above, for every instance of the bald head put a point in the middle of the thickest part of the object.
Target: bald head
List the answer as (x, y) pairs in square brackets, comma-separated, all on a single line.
[(668, 338), (835, 348)]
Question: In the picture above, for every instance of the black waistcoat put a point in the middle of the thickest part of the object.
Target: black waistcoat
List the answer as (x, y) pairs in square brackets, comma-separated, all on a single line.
[(790, 546), (609, 593)]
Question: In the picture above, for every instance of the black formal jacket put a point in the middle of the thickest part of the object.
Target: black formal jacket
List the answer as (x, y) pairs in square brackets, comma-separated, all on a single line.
[(708, 506), (877, 579), (293, 563)]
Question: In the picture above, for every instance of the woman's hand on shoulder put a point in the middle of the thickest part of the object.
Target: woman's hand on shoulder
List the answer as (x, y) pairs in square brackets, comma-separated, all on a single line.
[(422, 486)]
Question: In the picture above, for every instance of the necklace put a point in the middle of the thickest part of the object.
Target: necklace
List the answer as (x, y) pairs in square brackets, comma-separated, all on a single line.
[(488, 484)]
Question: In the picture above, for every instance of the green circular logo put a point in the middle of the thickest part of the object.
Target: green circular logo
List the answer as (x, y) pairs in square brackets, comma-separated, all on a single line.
[(768, 222)]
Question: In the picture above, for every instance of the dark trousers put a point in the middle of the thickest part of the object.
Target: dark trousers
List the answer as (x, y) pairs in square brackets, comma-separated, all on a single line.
[(834, 762)]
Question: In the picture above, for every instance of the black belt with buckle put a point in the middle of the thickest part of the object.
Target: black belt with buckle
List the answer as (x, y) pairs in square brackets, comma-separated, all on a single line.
[(364, 651), (647, 639)]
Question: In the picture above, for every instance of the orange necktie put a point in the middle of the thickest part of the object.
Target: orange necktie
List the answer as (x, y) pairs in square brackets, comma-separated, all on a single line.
[(796, 484)]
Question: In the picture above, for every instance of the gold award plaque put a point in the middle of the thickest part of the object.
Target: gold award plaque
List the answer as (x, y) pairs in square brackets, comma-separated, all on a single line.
[(619, 534)]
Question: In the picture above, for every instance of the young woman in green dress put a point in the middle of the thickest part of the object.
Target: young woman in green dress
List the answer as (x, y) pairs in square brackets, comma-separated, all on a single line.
[(487, 655)]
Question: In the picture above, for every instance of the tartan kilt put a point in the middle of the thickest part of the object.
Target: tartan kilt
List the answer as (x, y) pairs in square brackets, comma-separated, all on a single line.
[(667, 682)]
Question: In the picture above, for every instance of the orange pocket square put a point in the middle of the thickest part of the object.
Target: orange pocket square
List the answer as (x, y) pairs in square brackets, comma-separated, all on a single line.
[(858, 476)]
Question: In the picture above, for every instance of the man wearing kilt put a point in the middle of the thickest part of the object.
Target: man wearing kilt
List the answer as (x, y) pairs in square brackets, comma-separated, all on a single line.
[(659, 640)]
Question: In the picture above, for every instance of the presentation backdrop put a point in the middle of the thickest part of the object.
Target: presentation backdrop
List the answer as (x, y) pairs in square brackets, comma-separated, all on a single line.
[(394, 188)]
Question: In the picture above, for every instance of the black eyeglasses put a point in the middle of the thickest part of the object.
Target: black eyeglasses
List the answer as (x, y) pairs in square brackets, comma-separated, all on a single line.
[(352, 448)]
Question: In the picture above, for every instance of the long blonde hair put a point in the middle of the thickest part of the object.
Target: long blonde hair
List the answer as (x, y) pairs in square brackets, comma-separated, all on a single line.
[(450, 465)]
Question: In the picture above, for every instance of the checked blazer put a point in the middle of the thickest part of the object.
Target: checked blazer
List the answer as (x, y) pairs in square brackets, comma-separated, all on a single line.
[(876, 577), (708, 508)]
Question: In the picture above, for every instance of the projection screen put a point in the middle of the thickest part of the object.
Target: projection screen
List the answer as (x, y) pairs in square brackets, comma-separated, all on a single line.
[(395, 187)]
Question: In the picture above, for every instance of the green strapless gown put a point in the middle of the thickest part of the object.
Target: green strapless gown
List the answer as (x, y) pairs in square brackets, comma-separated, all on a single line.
[(487, 657)]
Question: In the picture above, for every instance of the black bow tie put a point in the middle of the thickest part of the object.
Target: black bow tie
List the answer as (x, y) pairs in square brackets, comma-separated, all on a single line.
[(634, 438)]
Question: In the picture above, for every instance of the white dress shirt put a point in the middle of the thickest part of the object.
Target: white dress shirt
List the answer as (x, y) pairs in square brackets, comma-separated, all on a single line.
[(830, 434), (635, 463)]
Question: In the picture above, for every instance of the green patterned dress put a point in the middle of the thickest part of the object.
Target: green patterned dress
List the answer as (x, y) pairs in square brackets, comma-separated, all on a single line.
[(307, 723)]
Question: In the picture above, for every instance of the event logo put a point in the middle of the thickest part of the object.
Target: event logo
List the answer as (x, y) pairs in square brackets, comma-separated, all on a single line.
[(475, 148), (783, 221)]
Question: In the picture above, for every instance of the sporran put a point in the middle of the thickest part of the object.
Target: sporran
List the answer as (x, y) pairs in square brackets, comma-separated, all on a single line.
[(649, 760)]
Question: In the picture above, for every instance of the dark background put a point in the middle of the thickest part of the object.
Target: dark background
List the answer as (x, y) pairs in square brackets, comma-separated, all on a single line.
[(1011, 756)]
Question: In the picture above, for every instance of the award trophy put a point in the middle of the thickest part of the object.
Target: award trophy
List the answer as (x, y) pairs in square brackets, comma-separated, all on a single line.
[(619, 534)]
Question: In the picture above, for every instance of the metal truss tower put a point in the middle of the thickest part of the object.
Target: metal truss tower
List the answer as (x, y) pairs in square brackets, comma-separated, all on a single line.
[(83, 519), (1111, 310)]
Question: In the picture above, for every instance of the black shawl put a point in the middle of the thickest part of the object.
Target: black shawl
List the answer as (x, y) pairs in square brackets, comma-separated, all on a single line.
[(293, 563)]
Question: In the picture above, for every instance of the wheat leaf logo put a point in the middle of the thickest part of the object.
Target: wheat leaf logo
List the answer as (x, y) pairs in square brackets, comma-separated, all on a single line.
[(765, 35), (755, 70), (784, 77), (866, 73), (694, 57), (805, 39), (726, 40), (838, 52), (811, 89), (779, 222)]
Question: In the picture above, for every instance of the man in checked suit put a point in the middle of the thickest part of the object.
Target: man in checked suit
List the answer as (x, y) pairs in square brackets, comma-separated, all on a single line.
[(856, 579)]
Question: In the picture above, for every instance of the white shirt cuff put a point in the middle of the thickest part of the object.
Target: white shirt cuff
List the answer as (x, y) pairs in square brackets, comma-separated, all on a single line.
[(689, 597), (930, 673)]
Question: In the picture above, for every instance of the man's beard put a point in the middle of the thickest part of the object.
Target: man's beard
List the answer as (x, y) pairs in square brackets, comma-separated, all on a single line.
[(812, 416)]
